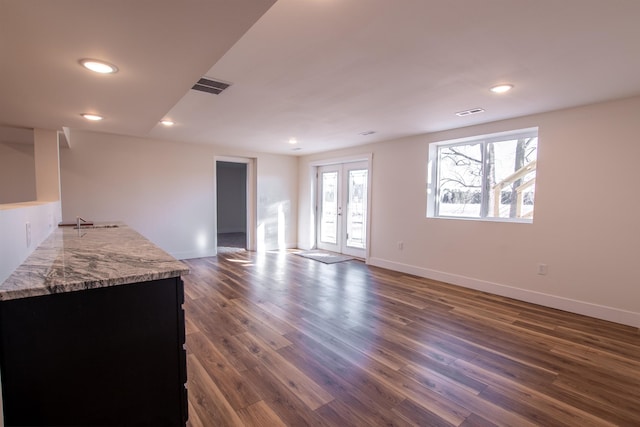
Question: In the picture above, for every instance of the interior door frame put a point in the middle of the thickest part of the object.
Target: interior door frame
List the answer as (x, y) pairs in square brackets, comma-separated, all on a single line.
[(252, 211), (313, 172)]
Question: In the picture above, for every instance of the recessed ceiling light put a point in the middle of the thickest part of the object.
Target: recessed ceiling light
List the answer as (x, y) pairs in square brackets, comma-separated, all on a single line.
[(293, 141), (98, 66), (501, 88), (92, 117), (167, 122)]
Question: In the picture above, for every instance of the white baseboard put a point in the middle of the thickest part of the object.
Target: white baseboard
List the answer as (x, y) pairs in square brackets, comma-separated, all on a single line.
[(272, 248), (193, 254), (213, 252), (561, 303)]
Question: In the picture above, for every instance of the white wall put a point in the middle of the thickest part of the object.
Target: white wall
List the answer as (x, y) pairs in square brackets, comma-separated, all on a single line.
[(47, 161), (586, 215), (17, 173), (277, 216), (165, 190)]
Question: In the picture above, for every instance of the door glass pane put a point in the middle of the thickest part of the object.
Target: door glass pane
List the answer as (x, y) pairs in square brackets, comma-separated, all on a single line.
[(357, 208), (329, 207)]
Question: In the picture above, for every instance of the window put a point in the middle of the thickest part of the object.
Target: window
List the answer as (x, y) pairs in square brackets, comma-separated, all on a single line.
[(489, 177)]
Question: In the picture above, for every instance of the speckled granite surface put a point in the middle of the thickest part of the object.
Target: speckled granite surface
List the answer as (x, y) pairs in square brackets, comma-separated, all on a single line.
[(69, 261)]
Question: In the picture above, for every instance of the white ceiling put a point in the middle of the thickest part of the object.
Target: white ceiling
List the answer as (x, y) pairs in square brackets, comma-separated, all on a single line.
[(320, 71)]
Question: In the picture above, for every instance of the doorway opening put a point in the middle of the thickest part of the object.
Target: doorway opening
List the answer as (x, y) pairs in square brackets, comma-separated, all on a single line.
[(232, 206), (342, 208)]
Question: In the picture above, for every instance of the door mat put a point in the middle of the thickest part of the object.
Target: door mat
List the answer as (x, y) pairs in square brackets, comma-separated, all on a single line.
[(323, 256)]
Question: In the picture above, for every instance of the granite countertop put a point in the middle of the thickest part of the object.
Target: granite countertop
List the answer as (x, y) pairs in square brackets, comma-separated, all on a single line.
[(93, 257)]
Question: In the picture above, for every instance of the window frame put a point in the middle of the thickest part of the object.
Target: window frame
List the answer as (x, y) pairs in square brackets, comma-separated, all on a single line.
[(433, 173)]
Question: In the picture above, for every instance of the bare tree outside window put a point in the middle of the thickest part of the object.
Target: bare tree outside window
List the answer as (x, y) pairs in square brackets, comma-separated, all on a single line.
[(461, 180), (487, 178)]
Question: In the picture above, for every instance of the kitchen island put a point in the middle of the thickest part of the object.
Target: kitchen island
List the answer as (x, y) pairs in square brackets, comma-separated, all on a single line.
[(92, 332)]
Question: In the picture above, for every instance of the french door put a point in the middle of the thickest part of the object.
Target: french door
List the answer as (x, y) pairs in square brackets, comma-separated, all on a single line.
[(342, 208)]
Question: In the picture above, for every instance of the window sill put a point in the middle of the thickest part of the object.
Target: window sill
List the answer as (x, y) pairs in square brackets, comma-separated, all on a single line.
[(505, 220)]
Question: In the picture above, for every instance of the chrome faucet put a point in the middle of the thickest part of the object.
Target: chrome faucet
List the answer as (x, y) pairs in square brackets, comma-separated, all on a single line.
[(78, 219)]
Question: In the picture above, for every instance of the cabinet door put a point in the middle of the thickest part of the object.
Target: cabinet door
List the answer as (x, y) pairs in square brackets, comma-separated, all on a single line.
[(106, 356)]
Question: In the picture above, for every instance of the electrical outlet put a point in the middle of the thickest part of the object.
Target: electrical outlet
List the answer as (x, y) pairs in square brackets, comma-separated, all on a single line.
[(28, 231), (542, 269), (400, 245)]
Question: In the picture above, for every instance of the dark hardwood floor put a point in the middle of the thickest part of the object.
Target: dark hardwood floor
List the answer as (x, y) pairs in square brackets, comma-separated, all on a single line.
[(275, 339)]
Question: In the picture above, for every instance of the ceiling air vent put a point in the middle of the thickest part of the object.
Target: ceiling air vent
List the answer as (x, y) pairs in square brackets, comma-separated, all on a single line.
[(206, 84), (469, 112)]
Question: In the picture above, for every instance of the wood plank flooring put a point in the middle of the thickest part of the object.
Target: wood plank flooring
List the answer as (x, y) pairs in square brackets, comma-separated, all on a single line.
[(274, 339)]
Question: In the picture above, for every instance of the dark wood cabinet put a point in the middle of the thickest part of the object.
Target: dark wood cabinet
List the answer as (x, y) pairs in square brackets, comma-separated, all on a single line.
[(106, 356)]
